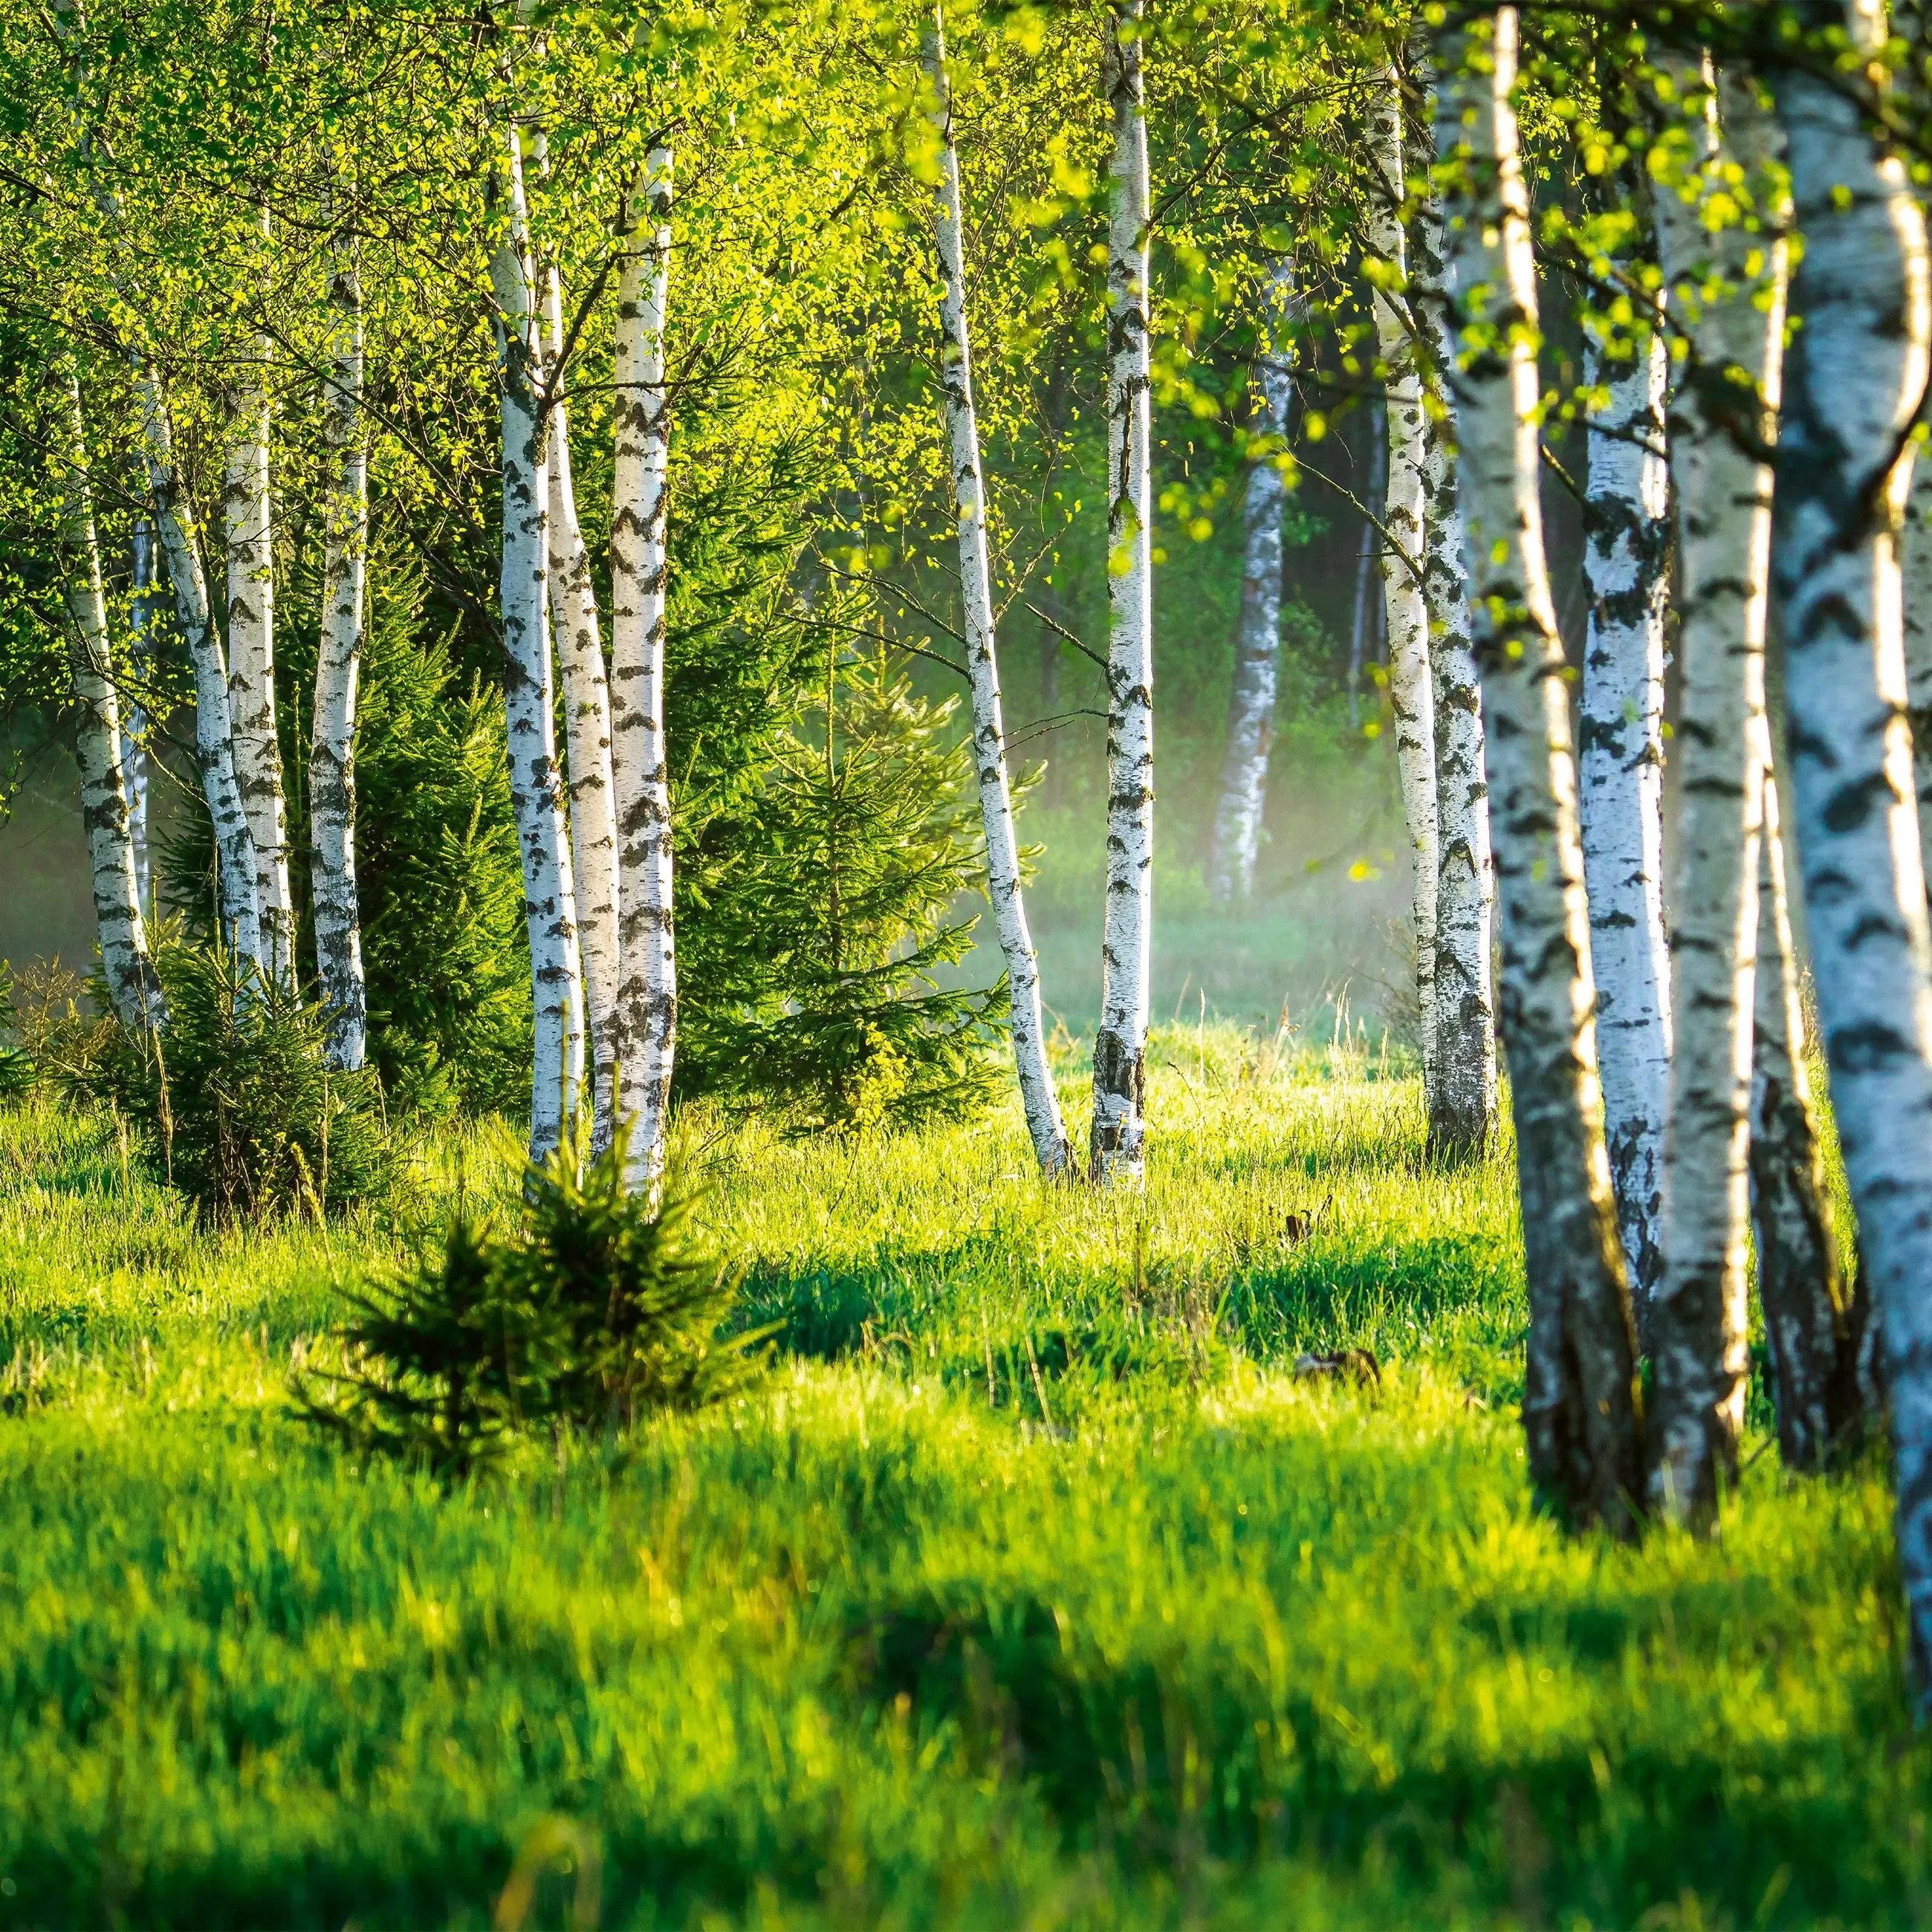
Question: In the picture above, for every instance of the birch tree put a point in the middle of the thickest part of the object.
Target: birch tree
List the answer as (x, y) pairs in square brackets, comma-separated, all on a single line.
[(248, 514), (1462, 1102), (332, 770), (1120, 1045), (1236, 839), (1723, 419), (1412, 691), (1038, 1097), (1620, 763), (647, 1006), (1856, 374), (1915, 560), (132, 986), (134, 725), (1580, 1405), (536, 788)]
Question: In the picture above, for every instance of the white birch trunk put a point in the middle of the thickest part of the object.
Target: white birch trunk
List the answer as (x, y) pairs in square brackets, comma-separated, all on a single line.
[(214, 738), (1725, 411), (1411, 686), (132, 986), (586, 711), (1463, 1103), (248, 513), (536, 788), (1120, 1045), (134, 725), (1620, 764), (639, 560), (1236, 841), (1579, 1402), (1915, 561), (1038, 1097), (1857, 370), (331, 771)]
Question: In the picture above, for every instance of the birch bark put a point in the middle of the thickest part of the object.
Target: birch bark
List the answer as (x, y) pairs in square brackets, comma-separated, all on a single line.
[(647, 1004), (1580, 1405), (1857, 370), (1462, 1105), (1117, 1148), (1237, 814), (134, 725), (1411, 686), (132, 986), (536, 789), (1626, 534), (332, 770), (1723, 420), (1038, 1097), (214, 738), (1915, 591), (249, 514)]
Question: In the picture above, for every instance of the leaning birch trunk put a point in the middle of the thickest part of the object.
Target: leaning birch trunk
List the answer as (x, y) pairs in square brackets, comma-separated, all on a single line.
[(1810, 1322), (214, 738), (647, 1004), (1857, 369), (586, 711), (1580, 1404), (1620, 768), (331, 769), (1463, 1104), (251, 659), (132, 986), (1120, 1045), (1411, 690), (134, 725), (1237, 814), (536, 789), (1915, 561), (1038, 1097), (1723, 420)]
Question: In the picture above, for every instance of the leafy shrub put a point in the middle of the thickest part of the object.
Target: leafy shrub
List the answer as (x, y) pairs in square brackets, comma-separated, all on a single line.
[(17, 1069), (235, 1101), (600, 1310)]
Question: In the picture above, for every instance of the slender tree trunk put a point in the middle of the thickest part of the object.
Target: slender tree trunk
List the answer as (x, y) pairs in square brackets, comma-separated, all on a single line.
[(1411, 685), (639, 562), (332, 770), (248, 509), (1580, 1404), (1810, 1322), (1723, 416), (1120, 1045), (134, 726), (1857, 370), (1916, 557), (1620, 762), (1238, 815), (1463, 1102), (536, 787), (1362, 626), (132, 985), (1037, 1094), (214, 738)]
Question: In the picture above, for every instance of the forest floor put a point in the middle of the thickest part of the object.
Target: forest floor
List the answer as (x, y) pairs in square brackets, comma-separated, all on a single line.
[(1036, 1591)]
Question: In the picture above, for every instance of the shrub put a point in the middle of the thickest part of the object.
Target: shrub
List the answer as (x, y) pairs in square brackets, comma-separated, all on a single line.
[(599, 1310)]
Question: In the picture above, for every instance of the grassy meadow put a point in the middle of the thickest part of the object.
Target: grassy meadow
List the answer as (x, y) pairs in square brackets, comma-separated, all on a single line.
[(1035, 1591)]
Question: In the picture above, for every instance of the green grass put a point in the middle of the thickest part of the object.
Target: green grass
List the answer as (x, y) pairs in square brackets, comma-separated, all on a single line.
[(1036, 1591)]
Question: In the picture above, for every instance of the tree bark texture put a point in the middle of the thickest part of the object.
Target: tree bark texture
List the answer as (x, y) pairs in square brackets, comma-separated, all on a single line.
[(1620, 764), (1723, 420), (1463, 1102), (132, 986), (1236, 839), (1120, 1045), (587, 710), (214, 737), (1915, 562), (639, 560), (1580, 1404), (331, 768), (1411, 686), (536, 785), (134, 723), (1038, 1097), (1857, 370)]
